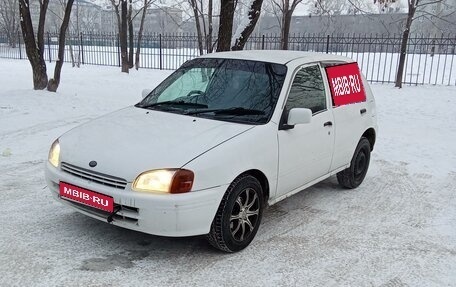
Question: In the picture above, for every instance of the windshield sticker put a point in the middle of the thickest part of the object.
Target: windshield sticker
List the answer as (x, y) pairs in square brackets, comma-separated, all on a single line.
[(346, 84)]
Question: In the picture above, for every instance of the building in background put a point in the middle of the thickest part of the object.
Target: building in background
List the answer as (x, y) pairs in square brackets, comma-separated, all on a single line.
[(433, 20), (99, 16), (90, 17), (85, 16), (158, 20), (161, 20)]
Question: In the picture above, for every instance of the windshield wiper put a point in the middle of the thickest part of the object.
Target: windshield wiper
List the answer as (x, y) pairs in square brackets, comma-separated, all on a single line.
[(239, 111), (173, 103)]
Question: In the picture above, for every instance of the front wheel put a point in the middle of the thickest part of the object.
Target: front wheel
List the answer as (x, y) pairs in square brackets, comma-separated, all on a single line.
[(238, 216), (353, 176)]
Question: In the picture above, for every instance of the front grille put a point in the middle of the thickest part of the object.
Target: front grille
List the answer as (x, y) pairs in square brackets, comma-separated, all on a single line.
[(126, 214), (94, 176)]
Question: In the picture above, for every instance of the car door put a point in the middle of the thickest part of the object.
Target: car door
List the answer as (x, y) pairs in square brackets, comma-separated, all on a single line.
[(351, 121), (306, 150)]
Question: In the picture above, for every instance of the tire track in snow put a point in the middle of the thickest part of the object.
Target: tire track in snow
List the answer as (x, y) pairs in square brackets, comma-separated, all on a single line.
[(43, 127)]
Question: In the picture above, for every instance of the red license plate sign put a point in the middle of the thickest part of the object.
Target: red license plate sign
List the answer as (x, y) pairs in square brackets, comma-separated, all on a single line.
[(346, 84), (87, 197)]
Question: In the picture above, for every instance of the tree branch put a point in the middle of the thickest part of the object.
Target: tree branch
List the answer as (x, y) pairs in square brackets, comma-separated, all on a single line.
[(427, 3)]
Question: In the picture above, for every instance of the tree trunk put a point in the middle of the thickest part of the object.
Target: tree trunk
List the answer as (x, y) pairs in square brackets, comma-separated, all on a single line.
[(226, 25), (131, 37), (78, 34), (123, 35), (403, 54), (285, 33), (54, 82), (9, 17), (194, 5), (73, 61), (131, 42), (203, 21), (254, 15), (33, 49), (209, 33), (140, 34)]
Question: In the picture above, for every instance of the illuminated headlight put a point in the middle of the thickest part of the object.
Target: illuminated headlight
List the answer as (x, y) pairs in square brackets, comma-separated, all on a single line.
[(164, 181), (54, 154)]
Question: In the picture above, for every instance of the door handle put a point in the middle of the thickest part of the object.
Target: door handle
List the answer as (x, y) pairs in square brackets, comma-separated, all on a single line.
[(362, 111), (328, 124)]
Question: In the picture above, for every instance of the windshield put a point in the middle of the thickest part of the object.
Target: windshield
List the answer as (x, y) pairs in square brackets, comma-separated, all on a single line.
[(223, 89)]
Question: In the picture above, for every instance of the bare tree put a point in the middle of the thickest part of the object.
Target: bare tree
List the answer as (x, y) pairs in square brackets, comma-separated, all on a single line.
[(56, 21), (225, 40), (89, 18), (210, 10), (286, 8), (146, 5), (131, 42), (412, 7), (9, 20), (196, 14), (330, 7), (244, 31), (54, 82), (225, 32), (122, 25), (124, 12), (76, 61), (35, 48), (203, 23)]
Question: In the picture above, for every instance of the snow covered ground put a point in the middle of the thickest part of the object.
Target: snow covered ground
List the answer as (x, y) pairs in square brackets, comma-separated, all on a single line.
[(397, 229)]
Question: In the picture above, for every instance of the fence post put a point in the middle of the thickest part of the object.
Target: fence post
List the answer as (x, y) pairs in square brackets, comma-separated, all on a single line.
[(19, 43), (327, 44), (81, 45), (118, 48), (160, 51), (49, 47), (262, 42)]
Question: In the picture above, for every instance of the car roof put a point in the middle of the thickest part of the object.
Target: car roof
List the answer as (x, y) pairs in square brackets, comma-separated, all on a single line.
[(277, 56)]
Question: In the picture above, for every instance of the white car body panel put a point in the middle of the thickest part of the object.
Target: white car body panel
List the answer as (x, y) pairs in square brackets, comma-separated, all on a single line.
[(305, 152), (134, 140), (126, 141), (349, 125), (225, 162)]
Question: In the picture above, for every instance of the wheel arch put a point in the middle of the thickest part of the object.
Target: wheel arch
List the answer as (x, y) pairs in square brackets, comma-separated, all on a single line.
[(370, 135), (261, 177)]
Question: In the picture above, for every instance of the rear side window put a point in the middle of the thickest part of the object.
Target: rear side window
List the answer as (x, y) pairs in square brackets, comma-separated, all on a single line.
[(307, 90)]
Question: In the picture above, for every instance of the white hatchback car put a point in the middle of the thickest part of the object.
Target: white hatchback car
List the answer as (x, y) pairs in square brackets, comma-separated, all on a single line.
[(221, 138)]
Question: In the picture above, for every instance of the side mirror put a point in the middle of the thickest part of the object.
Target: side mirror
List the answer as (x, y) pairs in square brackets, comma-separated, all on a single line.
[(145, 92), (298, 116)]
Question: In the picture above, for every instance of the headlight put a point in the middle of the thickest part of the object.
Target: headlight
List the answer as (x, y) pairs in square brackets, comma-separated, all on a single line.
[(164, 181), (54, 154)]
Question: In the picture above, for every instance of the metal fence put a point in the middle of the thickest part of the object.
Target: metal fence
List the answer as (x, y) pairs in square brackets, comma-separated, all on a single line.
[(430, 59)]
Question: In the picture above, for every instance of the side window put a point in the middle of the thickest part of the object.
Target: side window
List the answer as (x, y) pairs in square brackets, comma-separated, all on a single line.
[(307, 90)]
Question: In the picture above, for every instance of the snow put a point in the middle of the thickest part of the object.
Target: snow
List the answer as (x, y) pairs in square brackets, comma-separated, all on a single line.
[(245, 21), (397, 229)]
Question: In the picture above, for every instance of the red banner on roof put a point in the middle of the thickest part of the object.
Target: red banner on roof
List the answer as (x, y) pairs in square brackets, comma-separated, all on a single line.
[(346, 84)]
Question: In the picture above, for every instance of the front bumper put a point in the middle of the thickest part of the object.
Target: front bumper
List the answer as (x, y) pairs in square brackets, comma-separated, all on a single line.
[(173, 215)]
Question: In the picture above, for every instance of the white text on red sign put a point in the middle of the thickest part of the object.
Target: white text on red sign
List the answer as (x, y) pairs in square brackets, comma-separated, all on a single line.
[(346, 85), (85, 196)]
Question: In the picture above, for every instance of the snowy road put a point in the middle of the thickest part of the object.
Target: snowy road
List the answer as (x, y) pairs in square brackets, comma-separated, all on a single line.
[(397, 229)]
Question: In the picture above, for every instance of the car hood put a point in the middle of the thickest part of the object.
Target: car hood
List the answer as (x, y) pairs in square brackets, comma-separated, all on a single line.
[(133, 140)]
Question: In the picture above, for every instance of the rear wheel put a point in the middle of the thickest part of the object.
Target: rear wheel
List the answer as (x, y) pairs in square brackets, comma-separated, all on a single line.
[(238, 216), (353, 176)]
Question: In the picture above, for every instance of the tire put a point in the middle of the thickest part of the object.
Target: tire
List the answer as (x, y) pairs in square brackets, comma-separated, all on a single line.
[(238, 216), (353, 176)]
